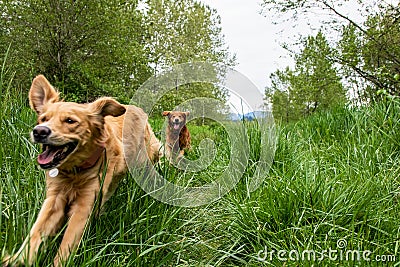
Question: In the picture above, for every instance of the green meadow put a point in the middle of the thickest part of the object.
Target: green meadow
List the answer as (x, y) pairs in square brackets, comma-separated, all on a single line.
[(330, 198)]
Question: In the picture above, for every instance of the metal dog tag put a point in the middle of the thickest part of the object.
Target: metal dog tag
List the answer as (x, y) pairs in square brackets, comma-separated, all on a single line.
[(53, 172)]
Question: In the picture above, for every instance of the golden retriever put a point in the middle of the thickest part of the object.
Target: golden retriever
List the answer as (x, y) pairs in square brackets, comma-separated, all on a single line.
[(177, 134), (78, 142)]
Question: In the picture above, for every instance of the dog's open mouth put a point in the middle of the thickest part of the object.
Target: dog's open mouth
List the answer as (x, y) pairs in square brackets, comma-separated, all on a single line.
[(176, 126), (53, 155)]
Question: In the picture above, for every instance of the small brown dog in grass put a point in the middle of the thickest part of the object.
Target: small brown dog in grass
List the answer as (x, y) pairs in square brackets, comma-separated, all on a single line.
[(177, 134), (79, 141)]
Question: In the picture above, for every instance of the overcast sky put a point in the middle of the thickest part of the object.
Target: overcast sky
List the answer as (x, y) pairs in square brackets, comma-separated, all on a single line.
[(255, 41), (252, 37)]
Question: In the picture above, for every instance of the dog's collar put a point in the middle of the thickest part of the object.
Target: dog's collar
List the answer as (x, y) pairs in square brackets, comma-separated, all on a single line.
[(90, 162)]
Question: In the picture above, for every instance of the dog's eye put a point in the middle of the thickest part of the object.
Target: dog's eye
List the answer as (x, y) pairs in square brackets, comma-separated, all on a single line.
[(43, 119), (70, 121)]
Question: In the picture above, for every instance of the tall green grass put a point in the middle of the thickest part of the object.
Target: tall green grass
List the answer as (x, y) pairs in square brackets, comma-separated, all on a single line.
[(334, 176)]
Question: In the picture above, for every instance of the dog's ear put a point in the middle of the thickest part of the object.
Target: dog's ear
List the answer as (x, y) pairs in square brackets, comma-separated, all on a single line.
[(106, 106), (187, 113), (41, 93), (166, 113)]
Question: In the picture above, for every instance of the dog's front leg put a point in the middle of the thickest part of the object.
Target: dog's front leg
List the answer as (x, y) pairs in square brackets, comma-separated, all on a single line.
[(48, 223), (79, 215)]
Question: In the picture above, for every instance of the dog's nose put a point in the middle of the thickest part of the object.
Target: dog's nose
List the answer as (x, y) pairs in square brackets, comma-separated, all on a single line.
[(40, 133), (176, 120)]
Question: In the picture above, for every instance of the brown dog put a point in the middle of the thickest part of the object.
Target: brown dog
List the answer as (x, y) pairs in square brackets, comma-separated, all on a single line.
[(177, 134), (78, 142)]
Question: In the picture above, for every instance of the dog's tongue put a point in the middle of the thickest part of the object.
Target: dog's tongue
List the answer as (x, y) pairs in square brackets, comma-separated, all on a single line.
[(176, 126), (48, 155)]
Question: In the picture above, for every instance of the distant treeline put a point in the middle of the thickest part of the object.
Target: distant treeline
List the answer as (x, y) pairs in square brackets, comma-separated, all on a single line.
[(345, 62)]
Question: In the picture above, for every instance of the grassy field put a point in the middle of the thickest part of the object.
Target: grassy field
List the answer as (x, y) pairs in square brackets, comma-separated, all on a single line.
[(333, 186)]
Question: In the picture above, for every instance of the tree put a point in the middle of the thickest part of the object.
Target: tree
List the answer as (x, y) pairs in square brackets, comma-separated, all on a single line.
[(86, 48), (185, 31), (92, 48), (349, 48), (317, 77), (281, 97), (369, 52), (381, 52), (313, 84), (372, 64), (182, 31)]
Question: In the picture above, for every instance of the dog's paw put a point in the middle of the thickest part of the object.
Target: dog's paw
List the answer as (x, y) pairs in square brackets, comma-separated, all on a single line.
[(5, 261), (8, 261)]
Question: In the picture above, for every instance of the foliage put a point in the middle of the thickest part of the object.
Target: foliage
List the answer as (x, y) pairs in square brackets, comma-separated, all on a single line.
[(314, 84), (182, 31), (381, 52), (93, 48), (368, 54), (85, 48), (179, 32)]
